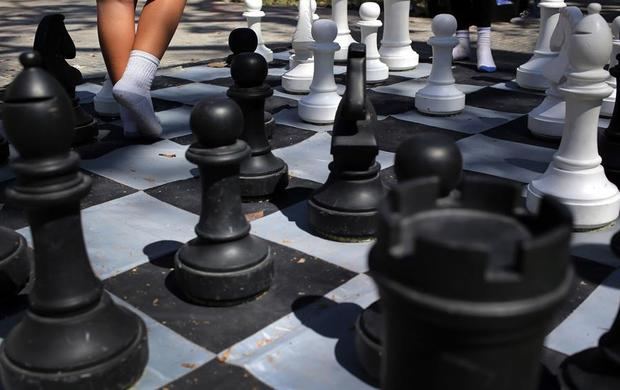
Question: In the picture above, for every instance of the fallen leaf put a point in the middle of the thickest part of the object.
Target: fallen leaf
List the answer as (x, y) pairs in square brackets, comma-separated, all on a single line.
[(223, 357), (256, 215), (218, 64), (191, 366), (301, 261), (169, 155)]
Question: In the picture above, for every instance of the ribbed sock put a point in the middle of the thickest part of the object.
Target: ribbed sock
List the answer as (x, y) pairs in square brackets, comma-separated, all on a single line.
[(462, 50), (485, 57), (133, 91)]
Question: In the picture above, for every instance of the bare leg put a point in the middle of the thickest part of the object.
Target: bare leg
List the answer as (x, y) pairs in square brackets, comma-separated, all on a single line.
[(116, 28), (158, 22)]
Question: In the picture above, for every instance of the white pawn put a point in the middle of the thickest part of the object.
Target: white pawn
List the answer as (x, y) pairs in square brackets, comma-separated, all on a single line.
[(253, 14), (376, 71), (530, 75), (104, 102), (607, 109), (547, 119), (440, 96), (301, 64), (340, 15), (320, 105), (575, 176), (396, 51), (313, 6)]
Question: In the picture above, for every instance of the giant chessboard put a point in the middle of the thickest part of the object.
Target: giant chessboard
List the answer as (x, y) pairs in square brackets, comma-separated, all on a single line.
[(145, 202)]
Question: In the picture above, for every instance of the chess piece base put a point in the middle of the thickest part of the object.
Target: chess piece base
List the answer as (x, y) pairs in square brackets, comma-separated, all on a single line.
[(298, 79), (319, 107), (399, 57), (262, 185), (342, 226), (590, 369), (15, 258), (530, 75), (66, 368), (226, 273), (547, 120), (376, 72), (368, 339), (85, 125), (593, 200), (440, 100)]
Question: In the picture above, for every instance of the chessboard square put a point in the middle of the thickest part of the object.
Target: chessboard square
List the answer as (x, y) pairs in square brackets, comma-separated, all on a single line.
[(468, 73), (152, 288), (290, 227), (143, 166), (584, 326), (310, 159), (472, 120), (290, 117), (284, 136), (512, 86), (86, 92), (391, 132), (281, 92), (517, 131), (395, 104), (175, 122), (170, 355), (196, 73), (510, 160), (313, 345), (190, 93), (123, 233), (409, 88), (217, 374), (421, 71), (594, 245), (501, 100)]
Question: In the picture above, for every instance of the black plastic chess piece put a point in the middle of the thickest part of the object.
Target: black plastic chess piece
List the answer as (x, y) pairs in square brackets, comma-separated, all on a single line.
[(468, 287), (345, 207), (596, 368), (422, 155), (609, 138), (244, 40), (15, 257), (224, 265), (262, 174), (4, 150), (73, 336), (55, 45)]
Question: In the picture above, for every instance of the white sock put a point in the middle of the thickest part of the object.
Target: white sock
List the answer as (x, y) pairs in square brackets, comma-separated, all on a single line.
[(485, 57), (461, 51), (130, 130), (133, 91)]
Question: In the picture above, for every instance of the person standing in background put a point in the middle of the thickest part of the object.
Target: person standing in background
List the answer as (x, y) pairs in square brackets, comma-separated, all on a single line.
[(474, 13)]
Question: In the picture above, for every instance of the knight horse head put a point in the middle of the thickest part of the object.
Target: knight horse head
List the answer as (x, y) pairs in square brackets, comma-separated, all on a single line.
[(54, 44)]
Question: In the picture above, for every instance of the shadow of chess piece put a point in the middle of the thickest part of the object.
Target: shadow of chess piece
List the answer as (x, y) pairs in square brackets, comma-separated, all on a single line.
[(4, 150), (609, 139), (55, 46), (345, 207), (15, 258), (422, 155), (73, 336), (244, 40)]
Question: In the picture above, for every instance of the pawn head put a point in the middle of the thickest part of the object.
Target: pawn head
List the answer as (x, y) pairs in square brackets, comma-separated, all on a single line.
[(370, 11), (594, 8), (615, 27), (249, 70), (253, 5), (444, 25), (217, 122), (427, 154), (38, 116), (242, 40), (324, 31)]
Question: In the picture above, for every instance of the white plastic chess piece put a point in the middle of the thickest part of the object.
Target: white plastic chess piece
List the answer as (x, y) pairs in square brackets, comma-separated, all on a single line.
[(440, 96), (607, 109), (104, 102), (320, 105), (575, 176), (547, 119), (299, 77), (396, 51), (530, 75), (254, 15), (340, 15), (313, 6), (376, 71)]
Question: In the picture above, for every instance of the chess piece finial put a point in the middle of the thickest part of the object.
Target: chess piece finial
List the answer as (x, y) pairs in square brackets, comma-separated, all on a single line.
[(443, 25), (370, 11), (324, 31), (241, 40), (590, 48), (594, 8), (249, 69), (428, 154), (615, 27), (313, 6), (253, 5), (216, 123)]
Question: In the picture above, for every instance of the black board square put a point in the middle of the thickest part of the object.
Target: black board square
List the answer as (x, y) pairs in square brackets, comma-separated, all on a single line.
[(517, 131), (218, 375), (503, 100)]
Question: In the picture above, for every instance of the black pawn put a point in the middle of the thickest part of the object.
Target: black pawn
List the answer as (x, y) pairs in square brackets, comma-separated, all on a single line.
[(345, 207), (468, 287), (244, 40), (224, 264), (15, 257), (609, 139), (54, 44), (596, 368), (73, 336), (422, 155), (262, 174)]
